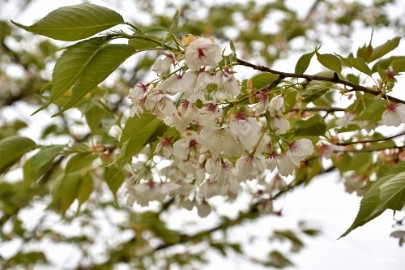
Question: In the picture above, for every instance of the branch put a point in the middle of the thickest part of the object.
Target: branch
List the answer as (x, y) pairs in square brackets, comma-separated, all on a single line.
[(370, 150), (334, 79), (372, 140)]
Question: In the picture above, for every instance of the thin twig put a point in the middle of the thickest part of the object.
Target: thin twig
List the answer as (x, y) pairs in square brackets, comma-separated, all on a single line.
[(372, 140), (334, 79)]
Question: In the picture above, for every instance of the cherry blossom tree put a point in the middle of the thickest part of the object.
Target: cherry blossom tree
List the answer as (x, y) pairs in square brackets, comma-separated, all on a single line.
[(201, 114)]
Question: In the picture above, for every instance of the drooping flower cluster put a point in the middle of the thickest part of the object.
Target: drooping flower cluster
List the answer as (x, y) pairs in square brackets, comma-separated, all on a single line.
[(220, 140)]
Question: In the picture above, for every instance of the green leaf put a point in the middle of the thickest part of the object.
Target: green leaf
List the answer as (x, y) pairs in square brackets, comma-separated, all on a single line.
[(75, 22), (72, 63), (94, 115), (85, 189), (315, 89), (398, 65), (303, 63), (262, 80), (365, 52), (314, 126), (142, 43), (67, 187), (383, 49), (11, 150), (102, 64), (360, 163), (373, 112), (388, 192), (330, 61), (39, 163), (114, 178), (137, 132), (357, 63)]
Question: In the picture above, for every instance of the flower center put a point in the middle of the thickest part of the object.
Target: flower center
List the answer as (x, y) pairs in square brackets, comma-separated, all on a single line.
[(192, 144), (201, 53), (392, 107)]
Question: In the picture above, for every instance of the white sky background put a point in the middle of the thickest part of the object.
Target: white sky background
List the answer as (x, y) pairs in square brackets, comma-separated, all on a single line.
[(323, 203)]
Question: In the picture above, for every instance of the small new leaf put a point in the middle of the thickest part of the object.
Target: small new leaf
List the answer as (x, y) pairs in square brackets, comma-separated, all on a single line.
[(303, 63)]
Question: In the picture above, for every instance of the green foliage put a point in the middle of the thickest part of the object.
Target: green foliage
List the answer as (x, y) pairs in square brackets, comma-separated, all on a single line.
[(12, 149), (75, 22), (137, 132), (330, 61), (39, 163), (97, 69), (262, 80), (72, 63), (303, 62), (75, 183), (357, 63), (383, 49), (314, 126), (388, 192)]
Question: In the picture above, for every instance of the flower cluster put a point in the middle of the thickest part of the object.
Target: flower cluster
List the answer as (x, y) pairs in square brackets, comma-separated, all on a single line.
[(220, 140)]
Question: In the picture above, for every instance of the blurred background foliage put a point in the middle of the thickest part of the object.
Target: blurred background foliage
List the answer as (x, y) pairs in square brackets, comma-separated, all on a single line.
[(106, 234)]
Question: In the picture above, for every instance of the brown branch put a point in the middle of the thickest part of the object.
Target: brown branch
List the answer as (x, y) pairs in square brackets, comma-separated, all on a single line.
[(372, 140), (365, 150), (334, 79)]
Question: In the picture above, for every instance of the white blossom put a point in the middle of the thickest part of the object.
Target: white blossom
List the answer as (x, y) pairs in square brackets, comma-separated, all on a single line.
[(285, 166), (160, 104), (279, 124), (220, 140), (262, 105), (228, 86), (246, 129), (249, 166), (327, 150), (299, 149), (202, 52), (394, 115), (209, 115), (136, 94), (164, 147), (184, 84), (355, 183), (182, 147), (200, 90), (203, 209), (276, 105), (162, 66)]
